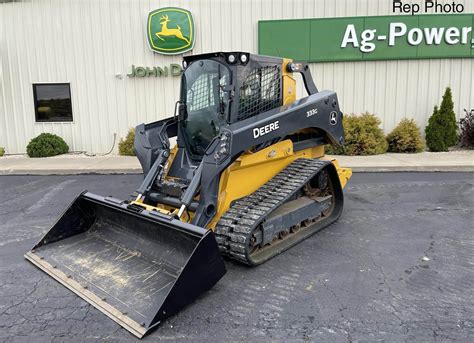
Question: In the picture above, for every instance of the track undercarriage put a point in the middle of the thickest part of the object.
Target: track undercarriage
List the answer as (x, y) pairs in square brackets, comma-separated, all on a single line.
[(302, 199)]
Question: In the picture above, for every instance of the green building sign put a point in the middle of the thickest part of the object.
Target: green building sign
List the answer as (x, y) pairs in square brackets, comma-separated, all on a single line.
[(170, 30), (369, 38)]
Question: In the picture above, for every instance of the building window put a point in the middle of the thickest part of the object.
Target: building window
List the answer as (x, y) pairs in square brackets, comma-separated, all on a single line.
[(52, 102)]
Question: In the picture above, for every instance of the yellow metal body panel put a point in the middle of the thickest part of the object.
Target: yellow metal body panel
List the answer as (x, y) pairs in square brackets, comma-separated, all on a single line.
[(168, 210), (289, 84), (173, 152), (159, 207), (343, 173), (251, 170)]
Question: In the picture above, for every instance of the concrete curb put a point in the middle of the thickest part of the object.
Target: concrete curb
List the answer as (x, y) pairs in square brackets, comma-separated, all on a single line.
[(46, 172), (136, 171), (419, 169), (70, 165), (355, 169), (454, 161)]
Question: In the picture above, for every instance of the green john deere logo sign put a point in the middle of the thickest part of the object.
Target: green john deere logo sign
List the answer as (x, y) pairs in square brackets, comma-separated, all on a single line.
[(170, 30)]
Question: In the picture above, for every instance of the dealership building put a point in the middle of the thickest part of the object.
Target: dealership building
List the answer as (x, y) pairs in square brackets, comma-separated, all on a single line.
[(90, 70)]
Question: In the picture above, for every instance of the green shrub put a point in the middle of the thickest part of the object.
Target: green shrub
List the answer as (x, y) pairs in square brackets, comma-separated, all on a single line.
[(126, 145), (405, 137), (434, 133), (446, 111), (467, 130), (2, 151), (363, 136), (46, 144), (333, 150), (441, 131)]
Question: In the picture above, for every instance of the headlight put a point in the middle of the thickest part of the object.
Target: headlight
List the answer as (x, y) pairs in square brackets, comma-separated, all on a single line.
[(243, 58), (231, 58), (291, 67)]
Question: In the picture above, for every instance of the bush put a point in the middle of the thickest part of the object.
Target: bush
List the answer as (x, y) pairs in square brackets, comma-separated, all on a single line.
[(467, 130), (363, 136), (126, 145), (405, 137), (2, 151), (46, 144), (434, 133), (446, 111), (333, 150), (441, 131)]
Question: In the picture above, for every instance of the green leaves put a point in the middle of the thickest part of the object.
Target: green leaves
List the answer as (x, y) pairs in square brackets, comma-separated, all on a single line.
[(126, 145), (405, 137), (441, 131), (45, 145), (363, 136), (467, 130)]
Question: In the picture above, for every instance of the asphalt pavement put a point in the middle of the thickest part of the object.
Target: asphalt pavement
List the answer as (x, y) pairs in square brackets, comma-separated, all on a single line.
[(397, 266)]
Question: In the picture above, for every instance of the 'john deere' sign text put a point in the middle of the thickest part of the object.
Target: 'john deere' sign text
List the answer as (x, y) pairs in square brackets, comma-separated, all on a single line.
[(139, 71), (170, 30), (369, 38)]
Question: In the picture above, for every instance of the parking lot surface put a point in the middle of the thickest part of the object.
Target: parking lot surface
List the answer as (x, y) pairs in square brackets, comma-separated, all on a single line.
[(397, 266)]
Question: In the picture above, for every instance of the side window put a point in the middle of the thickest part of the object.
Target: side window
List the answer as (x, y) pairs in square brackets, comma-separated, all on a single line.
[(52, 102), (203, 91), (260, 92), (201, 94)]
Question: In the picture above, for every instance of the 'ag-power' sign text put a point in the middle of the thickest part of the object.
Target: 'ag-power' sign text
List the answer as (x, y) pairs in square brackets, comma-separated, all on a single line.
[(367, 40)]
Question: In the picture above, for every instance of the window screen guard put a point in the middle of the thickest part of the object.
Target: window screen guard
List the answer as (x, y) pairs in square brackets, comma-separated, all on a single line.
[(260, 92)]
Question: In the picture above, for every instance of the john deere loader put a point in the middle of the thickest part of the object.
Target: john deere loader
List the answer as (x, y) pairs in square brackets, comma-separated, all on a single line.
[(247, 179)]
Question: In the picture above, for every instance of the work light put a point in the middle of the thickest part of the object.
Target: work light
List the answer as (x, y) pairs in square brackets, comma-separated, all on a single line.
[(231, 58)]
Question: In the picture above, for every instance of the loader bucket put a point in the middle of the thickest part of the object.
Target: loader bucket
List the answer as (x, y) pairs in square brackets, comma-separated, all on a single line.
[(137, 267)]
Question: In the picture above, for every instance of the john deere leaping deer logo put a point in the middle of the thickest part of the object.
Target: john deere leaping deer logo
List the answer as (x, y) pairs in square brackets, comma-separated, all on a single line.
[(166, 31), (170, 30)]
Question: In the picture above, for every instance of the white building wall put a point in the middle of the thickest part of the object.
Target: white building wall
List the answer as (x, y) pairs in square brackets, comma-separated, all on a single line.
[(87, 43)]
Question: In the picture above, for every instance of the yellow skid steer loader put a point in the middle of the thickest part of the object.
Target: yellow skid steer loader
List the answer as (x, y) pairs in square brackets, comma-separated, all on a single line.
[(247, 179)]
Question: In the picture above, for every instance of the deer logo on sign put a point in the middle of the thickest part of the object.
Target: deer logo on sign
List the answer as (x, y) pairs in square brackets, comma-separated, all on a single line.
[(165, 31), (170, 30)]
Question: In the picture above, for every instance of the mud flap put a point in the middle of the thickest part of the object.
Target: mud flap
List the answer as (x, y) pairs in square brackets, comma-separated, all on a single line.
[(137, 267)]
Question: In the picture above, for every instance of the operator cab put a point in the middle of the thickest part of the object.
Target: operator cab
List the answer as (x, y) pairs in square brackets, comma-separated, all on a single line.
[(219, 89)]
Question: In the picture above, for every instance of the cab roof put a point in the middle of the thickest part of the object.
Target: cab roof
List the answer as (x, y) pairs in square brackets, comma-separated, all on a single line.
[(223, 56)]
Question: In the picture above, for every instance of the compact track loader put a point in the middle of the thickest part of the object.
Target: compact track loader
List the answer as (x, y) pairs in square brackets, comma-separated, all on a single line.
[(247, 179)]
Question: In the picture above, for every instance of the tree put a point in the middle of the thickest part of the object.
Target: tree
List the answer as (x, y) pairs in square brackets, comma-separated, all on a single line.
[(441, 131), (434, 132), (448, 117)]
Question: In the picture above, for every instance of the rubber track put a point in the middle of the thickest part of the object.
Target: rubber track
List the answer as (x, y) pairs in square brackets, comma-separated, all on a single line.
[(236, 225)]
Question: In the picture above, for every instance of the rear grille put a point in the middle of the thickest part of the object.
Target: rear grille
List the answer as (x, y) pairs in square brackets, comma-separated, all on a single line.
[(260, 92)]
